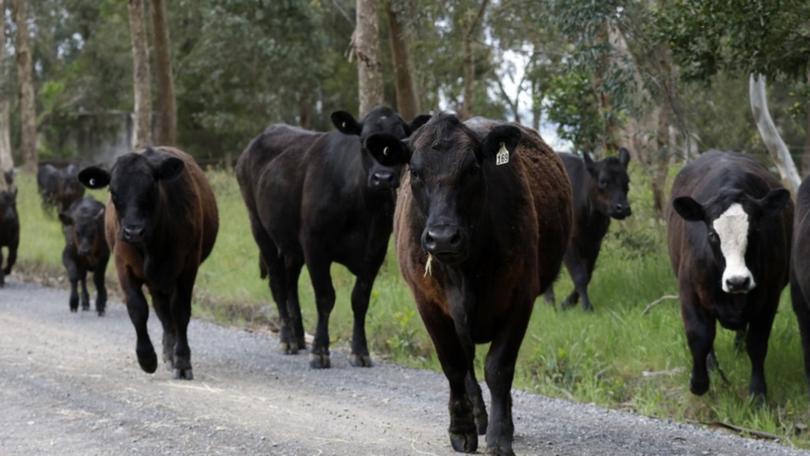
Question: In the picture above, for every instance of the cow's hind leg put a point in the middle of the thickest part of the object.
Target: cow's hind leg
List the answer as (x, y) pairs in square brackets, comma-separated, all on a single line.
[(325, 299), (272, 263), (700, 332), (549, 296), (12, 257), (361, 293), (2, 270), (477, 399), (85, 293), (181, 314), (800, 308), (138, 311), (296, 341), (500, 372), (101, 290)]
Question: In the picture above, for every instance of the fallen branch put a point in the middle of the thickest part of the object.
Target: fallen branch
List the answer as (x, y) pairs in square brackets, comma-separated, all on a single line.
[(658, 301), (742, 430)]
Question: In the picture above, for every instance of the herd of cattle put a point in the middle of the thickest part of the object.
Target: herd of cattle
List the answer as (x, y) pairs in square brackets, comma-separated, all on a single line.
[(484, 215)]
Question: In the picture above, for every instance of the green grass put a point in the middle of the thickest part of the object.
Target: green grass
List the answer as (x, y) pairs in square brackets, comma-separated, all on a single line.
[(616, 357)]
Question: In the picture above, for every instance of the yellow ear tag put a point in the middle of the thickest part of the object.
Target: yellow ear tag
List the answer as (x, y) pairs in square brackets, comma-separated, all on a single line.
[(502, 157)]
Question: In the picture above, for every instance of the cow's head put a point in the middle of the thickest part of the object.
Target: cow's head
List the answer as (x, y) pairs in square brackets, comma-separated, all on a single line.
[(70, 189), (59, 186), (732, 221), (134, 189), (611, 184), (447, 178), (84, 224), (380, 120), (8, 199)]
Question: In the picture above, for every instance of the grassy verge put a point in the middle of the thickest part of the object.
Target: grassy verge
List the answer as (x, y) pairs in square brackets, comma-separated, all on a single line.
[(616, 357)]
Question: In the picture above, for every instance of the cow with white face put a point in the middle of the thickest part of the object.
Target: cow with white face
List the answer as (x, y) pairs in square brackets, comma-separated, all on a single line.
[(729, 242)]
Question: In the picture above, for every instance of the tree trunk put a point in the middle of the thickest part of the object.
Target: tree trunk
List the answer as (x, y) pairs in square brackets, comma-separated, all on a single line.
[(661, 165), (468, 55), (806, 153), (165, 103), (6, 160), (28, 110), (366, 48), (407, 101), (140, 76), (770, 135)]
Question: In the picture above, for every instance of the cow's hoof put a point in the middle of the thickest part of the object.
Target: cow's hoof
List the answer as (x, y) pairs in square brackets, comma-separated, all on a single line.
[(587, 308), (182, 374), (100, 313), (74, 309), (289, 349), (466, 442), (501, 451), (758, 399), (698, 387), (360, 360), (319, 361), (148, 362)]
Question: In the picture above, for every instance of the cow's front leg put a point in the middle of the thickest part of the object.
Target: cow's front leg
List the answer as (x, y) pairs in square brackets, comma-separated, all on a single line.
[(181, 315), (500, 372), (756, 343), (360, 297), (700, 332), (318, 267), (85, 293), (138, 311), (452, 356)]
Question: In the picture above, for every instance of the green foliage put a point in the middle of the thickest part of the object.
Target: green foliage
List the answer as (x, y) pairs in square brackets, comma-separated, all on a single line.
[(768, 37), (574, 108)]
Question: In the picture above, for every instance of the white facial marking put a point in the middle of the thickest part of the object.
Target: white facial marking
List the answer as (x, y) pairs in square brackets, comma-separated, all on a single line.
[(732, 229)]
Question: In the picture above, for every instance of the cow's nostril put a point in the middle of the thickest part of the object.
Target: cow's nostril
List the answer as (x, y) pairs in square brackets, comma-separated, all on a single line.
[(455, 239)]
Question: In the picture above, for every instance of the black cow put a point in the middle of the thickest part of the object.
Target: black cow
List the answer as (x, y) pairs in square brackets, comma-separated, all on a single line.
[(9, 225), (482, 222), (161, 223), (59, 187), (315, 198), (729, 242), (85, 250), (600, 193), (800, 270)]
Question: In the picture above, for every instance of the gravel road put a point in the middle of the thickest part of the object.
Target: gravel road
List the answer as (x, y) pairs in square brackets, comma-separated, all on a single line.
[(70, 385)]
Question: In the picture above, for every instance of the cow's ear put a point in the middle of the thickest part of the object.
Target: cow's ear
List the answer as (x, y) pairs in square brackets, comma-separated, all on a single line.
[(499, 144), (345, 123), (774, 202), (689, 209), (417, 122), (169, 168), (66, 219), (94, 177), (388, 150), (624, 156), (590, 165)]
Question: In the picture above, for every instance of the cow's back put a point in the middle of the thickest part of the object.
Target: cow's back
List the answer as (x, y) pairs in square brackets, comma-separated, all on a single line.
[(275, 141), (551, 191)]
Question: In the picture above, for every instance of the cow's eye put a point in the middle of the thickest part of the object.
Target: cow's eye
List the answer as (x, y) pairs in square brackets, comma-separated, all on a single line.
[(416, 175), (473, 170), (713, 237), (603, 183)]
